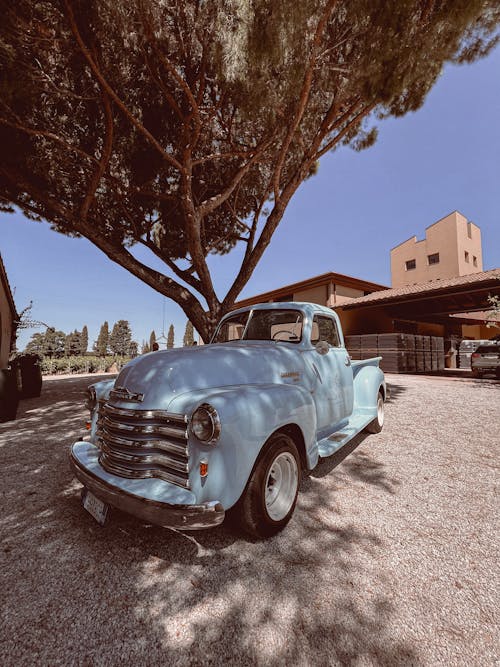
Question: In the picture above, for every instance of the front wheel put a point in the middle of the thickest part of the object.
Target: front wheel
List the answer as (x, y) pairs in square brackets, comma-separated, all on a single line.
[(378, 423), (271, 493)]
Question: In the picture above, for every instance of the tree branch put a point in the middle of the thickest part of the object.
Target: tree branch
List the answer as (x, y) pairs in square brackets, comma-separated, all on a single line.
[(185, 275), (119, 103), (211, 204), (33, 132), (118, 254), (105, 158), (338, 137), (304, 95)]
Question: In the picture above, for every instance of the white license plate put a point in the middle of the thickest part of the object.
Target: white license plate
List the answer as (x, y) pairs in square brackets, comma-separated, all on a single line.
[(95, 507)]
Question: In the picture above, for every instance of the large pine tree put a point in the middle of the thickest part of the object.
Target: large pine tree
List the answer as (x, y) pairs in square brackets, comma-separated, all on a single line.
[(187, 127)]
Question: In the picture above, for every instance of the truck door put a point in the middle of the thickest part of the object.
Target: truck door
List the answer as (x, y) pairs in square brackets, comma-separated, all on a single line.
[(332, 375)]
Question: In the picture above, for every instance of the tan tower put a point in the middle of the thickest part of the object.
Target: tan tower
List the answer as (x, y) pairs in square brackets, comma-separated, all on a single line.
[(451, 247)]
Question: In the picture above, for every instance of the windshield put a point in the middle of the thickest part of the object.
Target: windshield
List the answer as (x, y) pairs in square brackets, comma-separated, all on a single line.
[(277, 325)]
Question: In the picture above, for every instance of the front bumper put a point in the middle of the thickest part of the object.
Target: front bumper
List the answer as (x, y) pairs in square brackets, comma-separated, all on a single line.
[(180, 516)]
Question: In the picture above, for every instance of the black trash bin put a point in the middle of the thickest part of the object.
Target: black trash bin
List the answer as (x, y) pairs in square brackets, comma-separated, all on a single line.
[(31, 375), (9, 395)]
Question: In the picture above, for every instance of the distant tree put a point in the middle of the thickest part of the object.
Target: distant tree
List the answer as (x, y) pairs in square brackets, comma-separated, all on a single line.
[(102, 343), (186, 127), (145, 348), (152, 339), (54, 343), (133, 349), (170, 337), (73, 344), (120, 338), (84, 340), (35, 344), (188, 334)]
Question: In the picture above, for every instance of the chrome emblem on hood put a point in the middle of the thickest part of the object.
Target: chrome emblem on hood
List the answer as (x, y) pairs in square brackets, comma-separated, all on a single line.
[(123, 394)]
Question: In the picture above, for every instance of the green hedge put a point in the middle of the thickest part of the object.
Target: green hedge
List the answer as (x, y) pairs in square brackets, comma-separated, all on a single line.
[(85, 364)]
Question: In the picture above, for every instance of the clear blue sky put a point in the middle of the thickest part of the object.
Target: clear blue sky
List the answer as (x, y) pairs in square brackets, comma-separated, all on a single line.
[(442, 158)]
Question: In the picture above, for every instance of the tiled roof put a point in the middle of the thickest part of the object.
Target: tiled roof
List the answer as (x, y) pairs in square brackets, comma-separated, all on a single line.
[(425, 289), (8, 292), (309, 283)]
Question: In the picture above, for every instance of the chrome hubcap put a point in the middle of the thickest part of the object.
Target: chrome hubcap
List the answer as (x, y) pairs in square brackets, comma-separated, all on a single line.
[(380, 410), (281, 486)]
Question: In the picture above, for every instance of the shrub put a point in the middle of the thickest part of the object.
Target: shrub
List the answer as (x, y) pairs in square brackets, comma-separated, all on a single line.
[(80, 364)]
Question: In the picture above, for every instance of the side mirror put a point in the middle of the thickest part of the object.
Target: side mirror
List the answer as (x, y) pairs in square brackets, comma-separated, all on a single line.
[(322, 347)]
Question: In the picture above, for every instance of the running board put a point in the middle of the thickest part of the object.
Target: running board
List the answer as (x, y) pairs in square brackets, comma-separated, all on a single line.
[(332, 443)]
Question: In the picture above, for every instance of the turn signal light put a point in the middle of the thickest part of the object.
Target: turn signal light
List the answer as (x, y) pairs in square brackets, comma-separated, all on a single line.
[(203, 468)]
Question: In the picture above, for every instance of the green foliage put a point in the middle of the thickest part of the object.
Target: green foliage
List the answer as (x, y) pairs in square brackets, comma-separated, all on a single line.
[(102, 343), (120, 339), (54, 343), (145, 348), (493, 319), (188, 335), (35, 344), (187, 127), (73, 344), (79, 364), (170, 337), (84, 340), (152, 339)]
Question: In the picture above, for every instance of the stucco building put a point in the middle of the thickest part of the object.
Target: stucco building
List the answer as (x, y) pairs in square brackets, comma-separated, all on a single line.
[(451, 248), (439, 288), (8, 316), (328, 289)]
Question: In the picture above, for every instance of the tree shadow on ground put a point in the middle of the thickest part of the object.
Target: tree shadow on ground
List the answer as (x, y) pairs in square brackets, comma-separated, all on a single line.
[(78, 593), (395, 391)]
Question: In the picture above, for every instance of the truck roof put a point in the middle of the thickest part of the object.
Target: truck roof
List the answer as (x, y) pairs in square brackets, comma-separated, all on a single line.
[(306, 307)]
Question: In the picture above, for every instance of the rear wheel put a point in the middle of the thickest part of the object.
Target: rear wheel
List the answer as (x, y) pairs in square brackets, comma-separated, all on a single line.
[(271, 494), (378, 423)]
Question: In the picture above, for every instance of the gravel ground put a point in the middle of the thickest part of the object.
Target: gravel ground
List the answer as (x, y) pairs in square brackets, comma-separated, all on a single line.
[(391, 557)]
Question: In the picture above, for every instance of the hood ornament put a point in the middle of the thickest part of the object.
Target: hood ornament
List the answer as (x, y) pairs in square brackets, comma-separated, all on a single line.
[(123, 394)]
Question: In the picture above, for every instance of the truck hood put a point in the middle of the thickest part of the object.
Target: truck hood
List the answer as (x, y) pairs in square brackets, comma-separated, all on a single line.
[(162, 376)]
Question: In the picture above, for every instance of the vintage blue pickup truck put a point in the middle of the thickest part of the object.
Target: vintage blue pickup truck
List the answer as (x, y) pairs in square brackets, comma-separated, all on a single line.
[(182, 436)]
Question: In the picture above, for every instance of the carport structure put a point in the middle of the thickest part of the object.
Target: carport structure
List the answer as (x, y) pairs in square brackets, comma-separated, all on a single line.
[(428, 306)]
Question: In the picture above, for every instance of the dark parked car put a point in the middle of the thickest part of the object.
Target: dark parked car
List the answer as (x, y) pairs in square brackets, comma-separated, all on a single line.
[(486, 359)]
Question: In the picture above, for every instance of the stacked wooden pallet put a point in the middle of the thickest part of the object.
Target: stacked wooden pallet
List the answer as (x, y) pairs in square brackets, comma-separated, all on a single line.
[(400, 352)]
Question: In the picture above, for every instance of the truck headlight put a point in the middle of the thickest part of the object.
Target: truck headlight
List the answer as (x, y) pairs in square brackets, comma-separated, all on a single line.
[(205, 424)]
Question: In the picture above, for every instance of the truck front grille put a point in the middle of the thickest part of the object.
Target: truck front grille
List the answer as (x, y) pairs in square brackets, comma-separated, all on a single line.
[(143, 443)]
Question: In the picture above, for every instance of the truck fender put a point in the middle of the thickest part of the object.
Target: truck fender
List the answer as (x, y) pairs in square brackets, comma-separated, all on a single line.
[(249, 415), (368, 381)]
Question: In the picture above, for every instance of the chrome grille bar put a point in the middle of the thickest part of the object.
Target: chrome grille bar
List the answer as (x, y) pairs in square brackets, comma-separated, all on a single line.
[(144, 459), (164, 445), (129, 473), (143, 428), (140, 444)]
